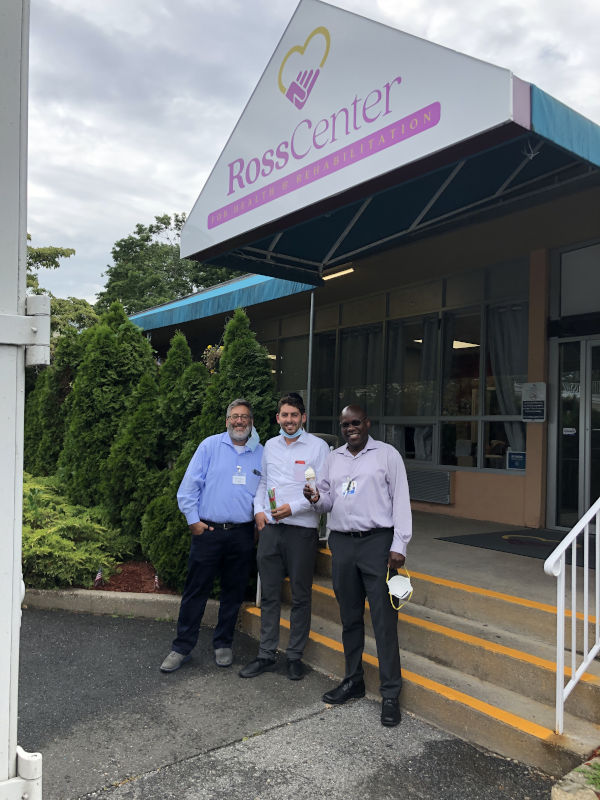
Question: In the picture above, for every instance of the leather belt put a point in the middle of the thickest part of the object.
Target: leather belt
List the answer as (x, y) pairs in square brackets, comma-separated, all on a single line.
[(226, 526), (362, 534)]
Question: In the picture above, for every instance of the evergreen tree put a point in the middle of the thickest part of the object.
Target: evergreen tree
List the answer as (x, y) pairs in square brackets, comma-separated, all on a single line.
[(116, 355), (182, 386), (244, 371), (132, 473), (47, 403)]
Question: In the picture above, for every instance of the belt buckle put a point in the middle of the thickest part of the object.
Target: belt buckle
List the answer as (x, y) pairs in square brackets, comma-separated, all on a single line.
[(227, 525)]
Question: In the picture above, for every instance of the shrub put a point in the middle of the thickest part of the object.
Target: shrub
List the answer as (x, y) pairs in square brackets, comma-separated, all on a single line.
[(64, 544), (116, 355), (244, 371), (132, 470)]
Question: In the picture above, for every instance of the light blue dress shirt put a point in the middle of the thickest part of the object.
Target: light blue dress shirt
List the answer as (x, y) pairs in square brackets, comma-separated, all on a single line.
[(283, 467), (219, 484)]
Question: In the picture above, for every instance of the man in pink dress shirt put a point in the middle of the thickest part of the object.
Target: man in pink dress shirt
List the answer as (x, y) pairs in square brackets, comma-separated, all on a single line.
[(364, 489)]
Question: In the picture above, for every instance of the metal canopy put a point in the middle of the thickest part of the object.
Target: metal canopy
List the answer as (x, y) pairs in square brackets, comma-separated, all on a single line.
[(493, 173)]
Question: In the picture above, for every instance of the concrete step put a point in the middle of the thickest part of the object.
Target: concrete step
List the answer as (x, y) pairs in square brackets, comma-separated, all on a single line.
[(468, 706), (514, 661), (477, 603)]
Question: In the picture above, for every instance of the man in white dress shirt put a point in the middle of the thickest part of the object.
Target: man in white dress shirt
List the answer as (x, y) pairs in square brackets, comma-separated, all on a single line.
[(288, 536)]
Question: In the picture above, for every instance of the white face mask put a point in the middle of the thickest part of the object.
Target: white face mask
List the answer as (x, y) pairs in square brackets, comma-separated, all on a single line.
[(400, 589)]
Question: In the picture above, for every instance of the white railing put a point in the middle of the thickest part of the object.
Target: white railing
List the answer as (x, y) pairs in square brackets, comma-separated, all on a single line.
[(556, 565)]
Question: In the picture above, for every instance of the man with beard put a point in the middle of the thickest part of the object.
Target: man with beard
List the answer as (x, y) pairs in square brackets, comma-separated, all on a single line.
[(364, 488), (288, 536), (216, 496)]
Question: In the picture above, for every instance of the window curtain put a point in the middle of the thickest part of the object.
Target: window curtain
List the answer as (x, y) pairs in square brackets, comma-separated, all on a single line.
[(360, 368), (507, 343), (427, 395)]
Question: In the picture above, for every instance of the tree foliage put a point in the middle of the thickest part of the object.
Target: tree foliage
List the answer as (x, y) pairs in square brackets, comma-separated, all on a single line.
[(43, 258), (244, 371), (132, 472), (116, 355), (147, 269), (182, 386)]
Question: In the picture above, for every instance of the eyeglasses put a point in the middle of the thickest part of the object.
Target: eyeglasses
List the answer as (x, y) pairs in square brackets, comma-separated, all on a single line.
[(354, 423), (240, 417)]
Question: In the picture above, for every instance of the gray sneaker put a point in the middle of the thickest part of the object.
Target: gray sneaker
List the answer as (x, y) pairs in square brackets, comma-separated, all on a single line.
[(223, 656), (173, 661)]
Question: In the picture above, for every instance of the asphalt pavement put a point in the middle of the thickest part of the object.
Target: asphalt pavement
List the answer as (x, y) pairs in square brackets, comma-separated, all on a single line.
[(110, 725)]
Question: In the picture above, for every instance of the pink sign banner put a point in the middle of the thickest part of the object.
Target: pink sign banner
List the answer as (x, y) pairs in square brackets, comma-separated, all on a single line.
[(399, 131)]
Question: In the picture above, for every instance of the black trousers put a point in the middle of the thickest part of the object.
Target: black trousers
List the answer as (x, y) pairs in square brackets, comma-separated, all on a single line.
[(359, 569), (229, 554)]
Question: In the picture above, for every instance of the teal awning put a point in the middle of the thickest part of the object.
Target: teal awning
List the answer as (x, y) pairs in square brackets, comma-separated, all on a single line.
[(238, 293)]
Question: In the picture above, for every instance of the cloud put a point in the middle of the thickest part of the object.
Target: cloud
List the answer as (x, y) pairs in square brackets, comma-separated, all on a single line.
[(132, 102)]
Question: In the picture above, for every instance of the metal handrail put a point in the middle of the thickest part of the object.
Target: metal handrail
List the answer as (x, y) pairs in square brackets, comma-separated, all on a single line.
[(555, 566)]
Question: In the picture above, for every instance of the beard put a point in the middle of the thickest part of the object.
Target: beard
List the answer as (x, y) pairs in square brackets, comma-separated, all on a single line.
[(239, 434)]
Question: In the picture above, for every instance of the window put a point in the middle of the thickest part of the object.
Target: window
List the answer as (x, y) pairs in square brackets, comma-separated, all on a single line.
[(412, 367), (323, 377), (293, 365), (361, 368), (462, 340)]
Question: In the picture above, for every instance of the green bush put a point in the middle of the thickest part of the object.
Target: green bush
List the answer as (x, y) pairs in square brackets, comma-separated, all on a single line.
[(132, 470), (117, 354), (244, 371), (63, 544)]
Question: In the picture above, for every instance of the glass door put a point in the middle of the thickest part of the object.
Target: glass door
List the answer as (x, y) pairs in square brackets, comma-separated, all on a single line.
[(592, 456), (568, 437), (577, 437)]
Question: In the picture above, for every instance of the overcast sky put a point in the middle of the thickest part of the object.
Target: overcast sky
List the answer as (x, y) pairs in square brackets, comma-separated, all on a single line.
[(132, 101)]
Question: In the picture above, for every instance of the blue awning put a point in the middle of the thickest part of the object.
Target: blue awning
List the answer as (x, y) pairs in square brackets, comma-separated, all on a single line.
[(238, 293)]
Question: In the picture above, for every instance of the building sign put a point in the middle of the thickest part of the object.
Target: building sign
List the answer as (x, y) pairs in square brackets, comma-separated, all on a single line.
[(343, 99), (516, 459), (533, 402)]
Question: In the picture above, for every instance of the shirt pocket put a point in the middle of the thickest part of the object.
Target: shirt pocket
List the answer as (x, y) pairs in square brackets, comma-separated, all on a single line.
[(298, 470)]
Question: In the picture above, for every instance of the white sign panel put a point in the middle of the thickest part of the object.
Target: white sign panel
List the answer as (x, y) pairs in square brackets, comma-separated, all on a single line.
[(342, 100)]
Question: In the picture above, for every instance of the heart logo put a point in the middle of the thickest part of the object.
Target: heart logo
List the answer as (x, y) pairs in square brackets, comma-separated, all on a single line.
[(299, 89)]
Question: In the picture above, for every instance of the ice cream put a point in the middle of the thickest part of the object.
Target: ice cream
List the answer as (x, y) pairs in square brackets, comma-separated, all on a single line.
[(311, 480)]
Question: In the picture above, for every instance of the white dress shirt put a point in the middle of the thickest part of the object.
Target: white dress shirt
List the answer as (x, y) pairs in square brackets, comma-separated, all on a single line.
[(283, 468)]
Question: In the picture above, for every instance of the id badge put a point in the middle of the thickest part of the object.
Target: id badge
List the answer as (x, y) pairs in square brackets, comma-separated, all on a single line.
[(348, 488), (239, 478)]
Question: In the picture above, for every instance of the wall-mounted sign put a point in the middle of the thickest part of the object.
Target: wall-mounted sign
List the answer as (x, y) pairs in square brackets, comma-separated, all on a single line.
[(515, 459), (533, 402), (343, 99)]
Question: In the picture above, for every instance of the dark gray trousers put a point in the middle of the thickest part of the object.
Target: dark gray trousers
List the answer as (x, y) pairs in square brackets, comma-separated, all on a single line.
[(285, 550), (359, 568)]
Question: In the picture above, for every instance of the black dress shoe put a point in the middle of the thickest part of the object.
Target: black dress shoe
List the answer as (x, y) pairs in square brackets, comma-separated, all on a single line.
[(390, 712), (295, 670), (347, 690), (257, 667)]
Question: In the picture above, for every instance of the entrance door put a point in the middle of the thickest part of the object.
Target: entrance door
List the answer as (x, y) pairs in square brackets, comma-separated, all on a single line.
[(577, 431)]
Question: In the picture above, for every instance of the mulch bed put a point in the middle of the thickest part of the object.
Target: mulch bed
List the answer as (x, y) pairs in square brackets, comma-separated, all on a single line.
[(133, 576)]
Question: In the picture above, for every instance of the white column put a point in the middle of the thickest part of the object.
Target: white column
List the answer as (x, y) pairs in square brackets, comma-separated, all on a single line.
[(18, 770)]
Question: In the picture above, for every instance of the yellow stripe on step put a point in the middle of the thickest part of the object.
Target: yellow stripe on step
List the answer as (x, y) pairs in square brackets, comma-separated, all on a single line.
[(514, 721)]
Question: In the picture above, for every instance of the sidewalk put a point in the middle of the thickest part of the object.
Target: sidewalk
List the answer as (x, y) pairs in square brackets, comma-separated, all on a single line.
[(110, 725)]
